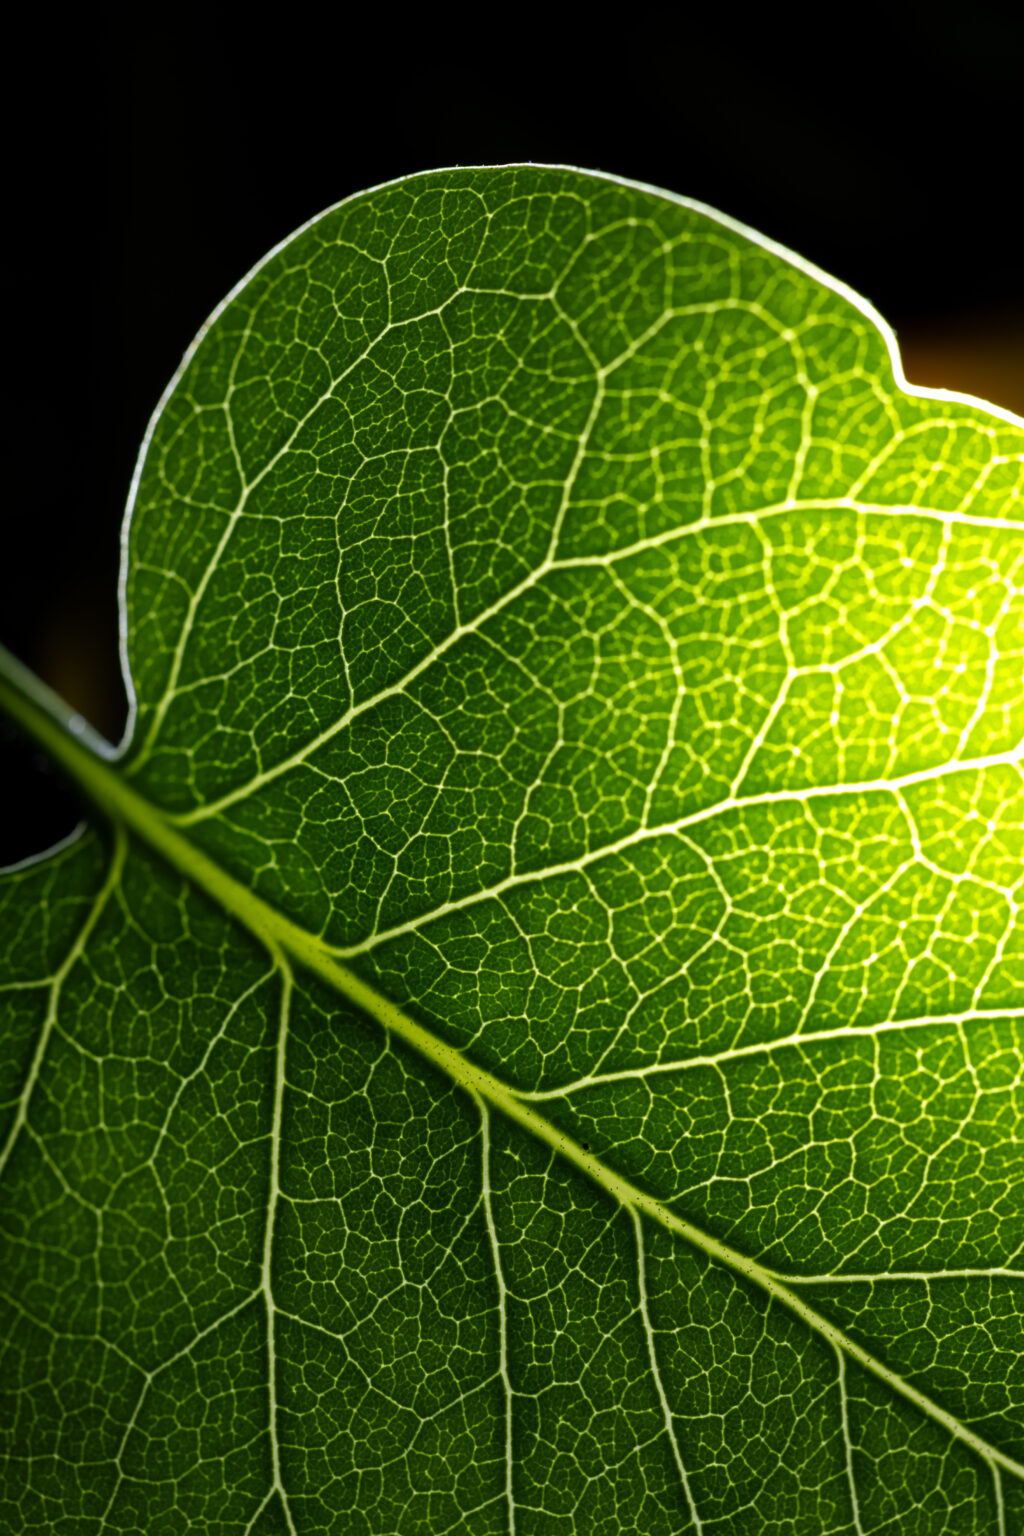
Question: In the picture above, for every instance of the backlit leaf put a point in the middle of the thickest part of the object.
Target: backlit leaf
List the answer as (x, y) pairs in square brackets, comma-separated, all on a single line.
[(533, 1042)]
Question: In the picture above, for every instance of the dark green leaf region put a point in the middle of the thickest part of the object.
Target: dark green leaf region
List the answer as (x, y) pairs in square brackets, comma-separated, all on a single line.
[(533, 1039)]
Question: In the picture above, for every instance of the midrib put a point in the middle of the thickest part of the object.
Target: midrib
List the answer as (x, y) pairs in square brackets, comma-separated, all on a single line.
[(76, 748)]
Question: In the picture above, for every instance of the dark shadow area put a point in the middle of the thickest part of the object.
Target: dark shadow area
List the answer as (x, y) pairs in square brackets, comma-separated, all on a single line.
[(980, 353)]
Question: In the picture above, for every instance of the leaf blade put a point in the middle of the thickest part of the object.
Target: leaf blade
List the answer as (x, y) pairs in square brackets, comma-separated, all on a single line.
[(689, 601)]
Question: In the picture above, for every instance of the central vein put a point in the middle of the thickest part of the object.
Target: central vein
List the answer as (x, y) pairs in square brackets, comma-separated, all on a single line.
[(87, 760)]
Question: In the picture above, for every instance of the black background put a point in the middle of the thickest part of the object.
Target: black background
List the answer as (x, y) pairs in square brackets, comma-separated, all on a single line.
[(153, 161)]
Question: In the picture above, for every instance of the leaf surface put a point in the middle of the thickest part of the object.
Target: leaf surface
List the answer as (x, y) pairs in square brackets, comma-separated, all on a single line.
[(534, 1043)]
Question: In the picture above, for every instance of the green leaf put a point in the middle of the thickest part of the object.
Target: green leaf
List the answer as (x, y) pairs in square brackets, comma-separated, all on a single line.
[(534, 1041)]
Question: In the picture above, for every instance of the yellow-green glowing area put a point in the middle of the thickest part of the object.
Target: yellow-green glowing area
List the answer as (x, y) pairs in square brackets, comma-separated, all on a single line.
[(542, 1048)]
